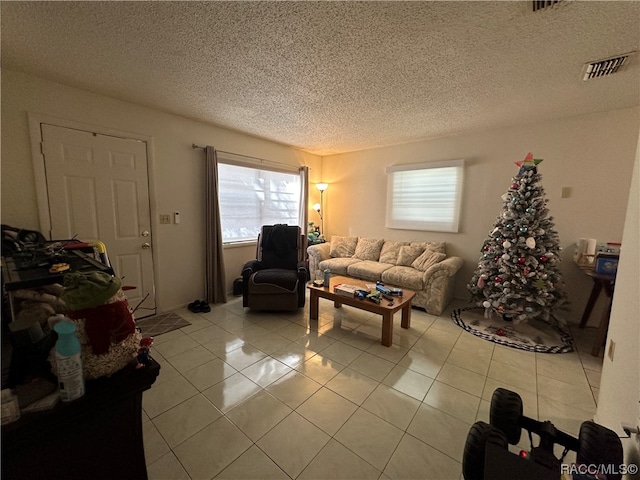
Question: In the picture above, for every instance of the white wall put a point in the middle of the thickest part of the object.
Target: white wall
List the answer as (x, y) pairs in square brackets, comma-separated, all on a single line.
[(176, 173), (592, 154), (619, 398)]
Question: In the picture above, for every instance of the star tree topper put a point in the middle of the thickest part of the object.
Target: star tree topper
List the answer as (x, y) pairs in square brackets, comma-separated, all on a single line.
[(528, 163)]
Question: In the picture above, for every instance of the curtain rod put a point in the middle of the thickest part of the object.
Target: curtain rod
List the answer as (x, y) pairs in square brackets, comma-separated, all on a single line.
[(261, 160)]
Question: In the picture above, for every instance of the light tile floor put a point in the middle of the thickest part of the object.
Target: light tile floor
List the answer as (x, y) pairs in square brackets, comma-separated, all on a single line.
[(244, 395)]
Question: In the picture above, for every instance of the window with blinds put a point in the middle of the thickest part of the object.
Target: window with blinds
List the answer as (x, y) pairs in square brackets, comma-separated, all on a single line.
[(251, 197), (425, 196)]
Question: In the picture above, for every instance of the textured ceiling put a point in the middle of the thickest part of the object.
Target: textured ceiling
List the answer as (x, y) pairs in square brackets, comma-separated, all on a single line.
[(330, 77)]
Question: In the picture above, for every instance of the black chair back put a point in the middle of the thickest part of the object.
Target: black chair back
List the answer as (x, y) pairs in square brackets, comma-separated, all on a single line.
[(279, 246)]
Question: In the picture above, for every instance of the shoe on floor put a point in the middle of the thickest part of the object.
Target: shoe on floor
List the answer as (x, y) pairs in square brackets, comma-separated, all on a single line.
[(195, 306)]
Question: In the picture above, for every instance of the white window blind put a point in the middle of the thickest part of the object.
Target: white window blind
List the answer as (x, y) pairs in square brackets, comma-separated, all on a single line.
[(425, 196), (251, 197)]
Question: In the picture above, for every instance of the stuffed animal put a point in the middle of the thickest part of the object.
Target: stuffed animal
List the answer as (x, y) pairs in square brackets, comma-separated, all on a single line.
[(143, 354), (38, 305), (104, 323)]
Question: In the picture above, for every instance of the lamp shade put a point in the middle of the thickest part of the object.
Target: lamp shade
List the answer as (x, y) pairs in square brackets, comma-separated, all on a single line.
[(316, 207), (322, 186)]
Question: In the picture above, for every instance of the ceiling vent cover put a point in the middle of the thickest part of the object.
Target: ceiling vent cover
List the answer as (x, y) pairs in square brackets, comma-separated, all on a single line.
[(605, 67), (543, 4)]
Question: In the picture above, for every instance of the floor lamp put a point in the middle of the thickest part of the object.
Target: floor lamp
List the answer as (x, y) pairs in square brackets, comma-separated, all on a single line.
[(322, 187)]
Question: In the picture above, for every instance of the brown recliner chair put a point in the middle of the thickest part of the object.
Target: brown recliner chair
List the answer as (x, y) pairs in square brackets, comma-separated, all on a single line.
[(276, 280)]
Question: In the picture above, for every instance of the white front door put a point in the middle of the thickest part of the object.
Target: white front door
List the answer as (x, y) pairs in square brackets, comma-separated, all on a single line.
[(97, 187)]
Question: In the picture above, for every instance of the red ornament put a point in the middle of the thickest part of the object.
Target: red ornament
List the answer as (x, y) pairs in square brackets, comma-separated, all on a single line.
[(486, 248), (543, 259), (522, 260), (498, 279), (514, 186), (501, 332)]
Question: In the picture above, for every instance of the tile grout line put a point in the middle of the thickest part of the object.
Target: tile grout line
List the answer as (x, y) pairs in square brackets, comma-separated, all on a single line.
[(396, 363)]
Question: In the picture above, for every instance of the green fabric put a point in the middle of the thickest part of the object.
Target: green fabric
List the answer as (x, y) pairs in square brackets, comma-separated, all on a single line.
[(87, 290)]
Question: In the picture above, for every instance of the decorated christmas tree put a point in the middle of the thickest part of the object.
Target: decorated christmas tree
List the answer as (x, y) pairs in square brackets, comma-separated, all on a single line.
[(518, 273)]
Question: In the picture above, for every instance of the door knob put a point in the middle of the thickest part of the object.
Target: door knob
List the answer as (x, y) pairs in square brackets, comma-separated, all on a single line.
[(146, 245), (145, 233)]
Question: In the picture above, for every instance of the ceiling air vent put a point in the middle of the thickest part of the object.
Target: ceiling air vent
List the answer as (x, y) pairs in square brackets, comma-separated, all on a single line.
[(607, 66), (543, 4)]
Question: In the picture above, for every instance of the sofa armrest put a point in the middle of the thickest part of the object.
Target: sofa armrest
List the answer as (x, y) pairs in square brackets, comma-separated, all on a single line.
[(251, 267), (447, 267), (317, 253), (303, 273), (439, 281)]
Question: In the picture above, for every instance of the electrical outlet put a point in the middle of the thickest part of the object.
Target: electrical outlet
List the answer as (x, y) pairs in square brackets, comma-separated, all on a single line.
[(164, 219), (612, 349)]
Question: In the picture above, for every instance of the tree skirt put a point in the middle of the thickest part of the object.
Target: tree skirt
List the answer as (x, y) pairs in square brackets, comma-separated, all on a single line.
[(159, 324), (532, 336)]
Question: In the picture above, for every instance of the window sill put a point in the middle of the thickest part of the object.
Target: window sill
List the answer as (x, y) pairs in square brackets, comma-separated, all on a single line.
[(251, 243)]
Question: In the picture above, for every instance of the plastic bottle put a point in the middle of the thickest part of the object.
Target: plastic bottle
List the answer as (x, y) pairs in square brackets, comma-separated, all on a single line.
[(69, 362), (326, 275)]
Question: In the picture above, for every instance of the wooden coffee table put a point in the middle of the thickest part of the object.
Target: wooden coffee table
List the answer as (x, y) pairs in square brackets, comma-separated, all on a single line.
[(385, 308)]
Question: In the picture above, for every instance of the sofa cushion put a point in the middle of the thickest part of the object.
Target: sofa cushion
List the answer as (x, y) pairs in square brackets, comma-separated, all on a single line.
[(368, 270), (389, 252), (407, 277), (408, 253), (338, 266), (428, 258), (368, 248), (343, 246)]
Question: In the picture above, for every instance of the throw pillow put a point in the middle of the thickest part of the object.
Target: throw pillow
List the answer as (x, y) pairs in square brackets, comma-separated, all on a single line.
[(343, 246), (408, 253), (428, 258), (390, 251), (368, 249), (435, 246)]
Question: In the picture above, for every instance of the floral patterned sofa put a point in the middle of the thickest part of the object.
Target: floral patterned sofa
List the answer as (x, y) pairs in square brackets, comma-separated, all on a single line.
[(419, 266)]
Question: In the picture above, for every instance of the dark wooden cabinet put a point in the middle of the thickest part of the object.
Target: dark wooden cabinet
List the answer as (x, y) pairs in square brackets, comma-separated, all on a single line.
[(98, 436)]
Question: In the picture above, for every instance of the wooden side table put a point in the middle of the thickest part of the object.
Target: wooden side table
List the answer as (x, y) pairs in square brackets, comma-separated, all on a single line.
[(600, 283)]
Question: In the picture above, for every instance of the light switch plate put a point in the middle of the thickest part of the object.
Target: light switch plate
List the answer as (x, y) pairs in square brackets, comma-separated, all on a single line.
[(164, 219)]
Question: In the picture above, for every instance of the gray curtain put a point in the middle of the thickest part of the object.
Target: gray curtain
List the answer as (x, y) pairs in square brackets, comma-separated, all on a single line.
[(215, 280), (304, 203)]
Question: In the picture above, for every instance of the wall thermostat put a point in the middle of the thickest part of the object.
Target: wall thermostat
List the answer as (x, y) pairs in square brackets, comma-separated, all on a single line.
[(176, 217)]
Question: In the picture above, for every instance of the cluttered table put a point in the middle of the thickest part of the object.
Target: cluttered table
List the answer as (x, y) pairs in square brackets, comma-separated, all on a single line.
[(602, 269), (98, 436), (28, 269)]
